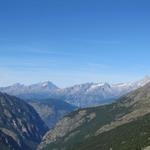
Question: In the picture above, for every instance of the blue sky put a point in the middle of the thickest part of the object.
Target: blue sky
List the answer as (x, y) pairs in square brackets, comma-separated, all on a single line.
[(74, 41)]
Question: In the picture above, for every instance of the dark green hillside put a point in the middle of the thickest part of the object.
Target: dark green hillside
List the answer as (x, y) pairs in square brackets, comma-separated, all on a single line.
[(81, 126), (88, 127), (130, 136)]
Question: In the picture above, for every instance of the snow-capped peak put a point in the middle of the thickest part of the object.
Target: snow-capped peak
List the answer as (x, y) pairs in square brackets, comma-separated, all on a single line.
[(43, 85), (98, 85), (47, 84)]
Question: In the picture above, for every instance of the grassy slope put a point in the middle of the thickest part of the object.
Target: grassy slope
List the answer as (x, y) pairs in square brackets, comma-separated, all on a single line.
[(130, 136)]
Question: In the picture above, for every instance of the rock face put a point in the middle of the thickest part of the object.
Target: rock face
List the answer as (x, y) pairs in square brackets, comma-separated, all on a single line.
[(20, 125), (84, 126), (51, 110), (82, 95)]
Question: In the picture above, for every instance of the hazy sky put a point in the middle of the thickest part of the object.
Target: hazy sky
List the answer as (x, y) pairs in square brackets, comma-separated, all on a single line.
[(74, 41)]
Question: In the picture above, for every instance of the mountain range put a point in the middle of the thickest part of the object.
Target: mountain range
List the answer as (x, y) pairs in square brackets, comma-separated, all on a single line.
[(122, 124), (82, 95), (40, 90)]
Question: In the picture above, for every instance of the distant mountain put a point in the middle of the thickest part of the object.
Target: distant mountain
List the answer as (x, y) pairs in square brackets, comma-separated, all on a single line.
[(82, 95), (20, 125), (93, 94), (122, 125), (39, 91), (51, 110)]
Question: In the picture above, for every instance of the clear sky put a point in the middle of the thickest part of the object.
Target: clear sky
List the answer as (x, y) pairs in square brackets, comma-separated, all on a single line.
[(74, 41)]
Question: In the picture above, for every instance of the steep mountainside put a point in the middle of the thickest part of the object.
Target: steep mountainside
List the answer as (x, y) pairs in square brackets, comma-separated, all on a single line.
[(51, 110), (134, 135), (91, 123), (82, 95), (20, 125)]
